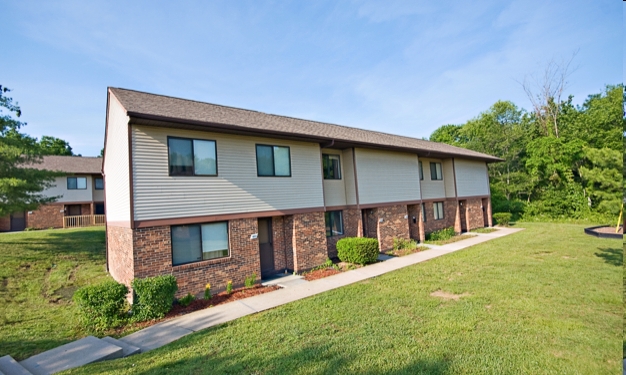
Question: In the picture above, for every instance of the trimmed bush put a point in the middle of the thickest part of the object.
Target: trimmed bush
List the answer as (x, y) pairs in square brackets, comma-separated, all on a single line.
[(357, 250), (441, 235), (102, 306), (502, 218), (154, 297), (403, 244), (187, 300)]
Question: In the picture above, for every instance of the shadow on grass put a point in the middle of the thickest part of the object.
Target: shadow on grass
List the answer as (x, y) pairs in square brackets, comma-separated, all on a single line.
[(88, 243), (614, 256), (319, 359)]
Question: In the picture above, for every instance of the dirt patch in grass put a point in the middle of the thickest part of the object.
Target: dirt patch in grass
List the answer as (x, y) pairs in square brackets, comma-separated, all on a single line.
[(448, 296), (403, 252), (319, 274)]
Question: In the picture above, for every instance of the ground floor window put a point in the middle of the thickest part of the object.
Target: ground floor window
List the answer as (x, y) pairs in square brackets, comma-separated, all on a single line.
[(194, 243), (334, 223), (438, 209), (99, 208), (72, 210)]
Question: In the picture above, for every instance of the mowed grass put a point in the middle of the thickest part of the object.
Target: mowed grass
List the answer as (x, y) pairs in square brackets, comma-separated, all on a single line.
[(39, 272), (547, 300)]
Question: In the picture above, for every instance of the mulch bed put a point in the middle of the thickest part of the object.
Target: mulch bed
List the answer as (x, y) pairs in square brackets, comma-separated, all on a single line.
[(403, 252), (609, 230), (218, 299), (318, 274)]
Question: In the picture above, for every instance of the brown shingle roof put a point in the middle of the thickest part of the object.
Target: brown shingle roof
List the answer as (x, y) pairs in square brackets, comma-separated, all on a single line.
[(70, 164), (165, 108)]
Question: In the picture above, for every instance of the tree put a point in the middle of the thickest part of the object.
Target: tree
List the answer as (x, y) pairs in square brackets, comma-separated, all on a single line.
[(21, 186), (602, 179), (449, 134), (54, 146)]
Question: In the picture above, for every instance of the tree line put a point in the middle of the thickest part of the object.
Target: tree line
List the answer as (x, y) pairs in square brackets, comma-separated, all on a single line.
[(560, 160)]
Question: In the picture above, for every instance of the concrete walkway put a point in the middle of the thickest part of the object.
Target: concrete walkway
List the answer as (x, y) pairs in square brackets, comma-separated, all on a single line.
[(163, 333)]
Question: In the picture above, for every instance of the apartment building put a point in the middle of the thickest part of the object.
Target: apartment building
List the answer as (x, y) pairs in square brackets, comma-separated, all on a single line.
[(80, 191), (210, 193)]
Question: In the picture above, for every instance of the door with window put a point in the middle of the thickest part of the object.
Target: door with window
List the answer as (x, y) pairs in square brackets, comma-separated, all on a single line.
[(266, 248), (18, 221)]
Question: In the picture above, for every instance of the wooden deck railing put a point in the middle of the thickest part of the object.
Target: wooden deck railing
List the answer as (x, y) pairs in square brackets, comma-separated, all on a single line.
[(83, 221)]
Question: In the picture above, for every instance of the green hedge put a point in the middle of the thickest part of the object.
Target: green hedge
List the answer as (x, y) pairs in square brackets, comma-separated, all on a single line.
[(502, 218), (357, 250), (441, 235), (154, 297), (102, 306)]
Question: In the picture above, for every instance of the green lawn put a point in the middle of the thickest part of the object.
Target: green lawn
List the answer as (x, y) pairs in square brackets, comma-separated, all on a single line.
[(38, 274), (543, 301)]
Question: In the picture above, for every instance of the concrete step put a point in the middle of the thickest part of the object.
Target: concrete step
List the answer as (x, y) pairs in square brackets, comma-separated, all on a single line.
[(127, 349), (9, 366), (75, 354)]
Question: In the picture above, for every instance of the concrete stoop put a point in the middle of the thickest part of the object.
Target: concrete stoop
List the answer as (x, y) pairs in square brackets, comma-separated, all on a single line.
[(75, 354), (9, 366)]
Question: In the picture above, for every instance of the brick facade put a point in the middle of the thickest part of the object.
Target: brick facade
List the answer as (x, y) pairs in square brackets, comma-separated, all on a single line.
[(392, 222), (47, 216), (352, 227), (282, 260), (474, 213), (5, 223), (449, 215), (309, 240)]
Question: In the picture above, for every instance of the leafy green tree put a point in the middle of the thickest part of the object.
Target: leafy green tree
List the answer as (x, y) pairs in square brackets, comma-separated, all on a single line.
[(602, 178), (21, 186), (54, 146), (449, 134)]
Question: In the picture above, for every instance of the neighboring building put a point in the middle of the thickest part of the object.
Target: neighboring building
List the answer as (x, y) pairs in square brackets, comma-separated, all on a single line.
[(210, 193), (80, 192)]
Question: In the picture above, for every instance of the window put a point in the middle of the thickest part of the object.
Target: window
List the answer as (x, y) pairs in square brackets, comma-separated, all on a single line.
[(435, 171), (193, 243), (332, 167), (273, 161), (74, 183), (99, 208), (438, 209), (192, 157), (99, 183), (423, 212), (334, 223), (73, 210), (421, 171)]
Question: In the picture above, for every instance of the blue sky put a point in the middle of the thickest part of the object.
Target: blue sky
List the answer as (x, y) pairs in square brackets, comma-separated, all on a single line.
[(393, 66)]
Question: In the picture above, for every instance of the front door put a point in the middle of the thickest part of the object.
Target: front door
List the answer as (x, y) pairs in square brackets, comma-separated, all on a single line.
[(18, 221), (462, 210), (266, 248)]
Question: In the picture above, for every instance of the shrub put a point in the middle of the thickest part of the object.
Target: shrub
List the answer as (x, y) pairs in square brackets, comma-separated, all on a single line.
[(250, 280), (154, 297), (403, 244), (187, 300), (229, 287), (441, 235), (102, 306), (502, 218), (357, 250), (207, 292)]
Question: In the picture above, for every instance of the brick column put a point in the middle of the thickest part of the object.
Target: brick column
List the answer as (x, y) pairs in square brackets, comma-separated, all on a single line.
[(457, 219), (420, 222), (309, 240), (489, 217)]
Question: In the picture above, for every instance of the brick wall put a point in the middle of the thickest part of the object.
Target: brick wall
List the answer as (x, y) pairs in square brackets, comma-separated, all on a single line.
[(371, 223), (394, 225), (351, 228), (288, 238), (85, 209), (5, 223), (309, 240), (153, 256), (47, 216), (279, 244), (449, 215), (474, 213), (414, 211), (120, 253)]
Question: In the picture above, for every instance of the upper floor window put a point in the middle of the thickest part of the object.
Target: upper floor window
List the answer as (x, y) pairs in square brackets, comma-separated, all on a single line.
[(435, 171), (74, 183), (421, 171), (99, 183), (273, 161), (332, 167), (194, 243), (192, 157), (334, 223)]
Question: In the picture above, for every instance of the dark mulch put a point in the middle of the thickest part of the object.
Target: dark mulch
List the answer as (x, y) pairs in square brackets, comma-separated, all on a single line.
[(403, 252), (219, 299), (318, 274)]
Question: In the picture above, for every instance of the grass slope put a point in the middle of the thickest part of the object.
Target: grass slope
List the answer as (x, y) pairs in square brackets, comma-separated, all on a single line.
[(39, 273), (544, 301)]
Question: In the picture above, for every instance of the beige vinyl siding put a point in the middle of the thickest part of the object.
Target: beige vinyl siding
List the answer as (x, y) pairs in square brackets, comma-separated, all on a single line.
[(59, 188), (448, 178), (116, 164), (335, 190), (236, 189), (348, 176), (386, 176), (98, 195), (471, 177), (433, 189)]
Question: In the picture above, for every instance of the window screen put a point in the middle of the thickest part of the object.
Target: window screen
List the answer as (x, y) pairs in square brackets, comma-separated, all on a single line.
[(204, 157), (332, 167), (74, 183), (99, 184), (214, 240), (435, 171), (334, 223), (192, 243), (438, 210)]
